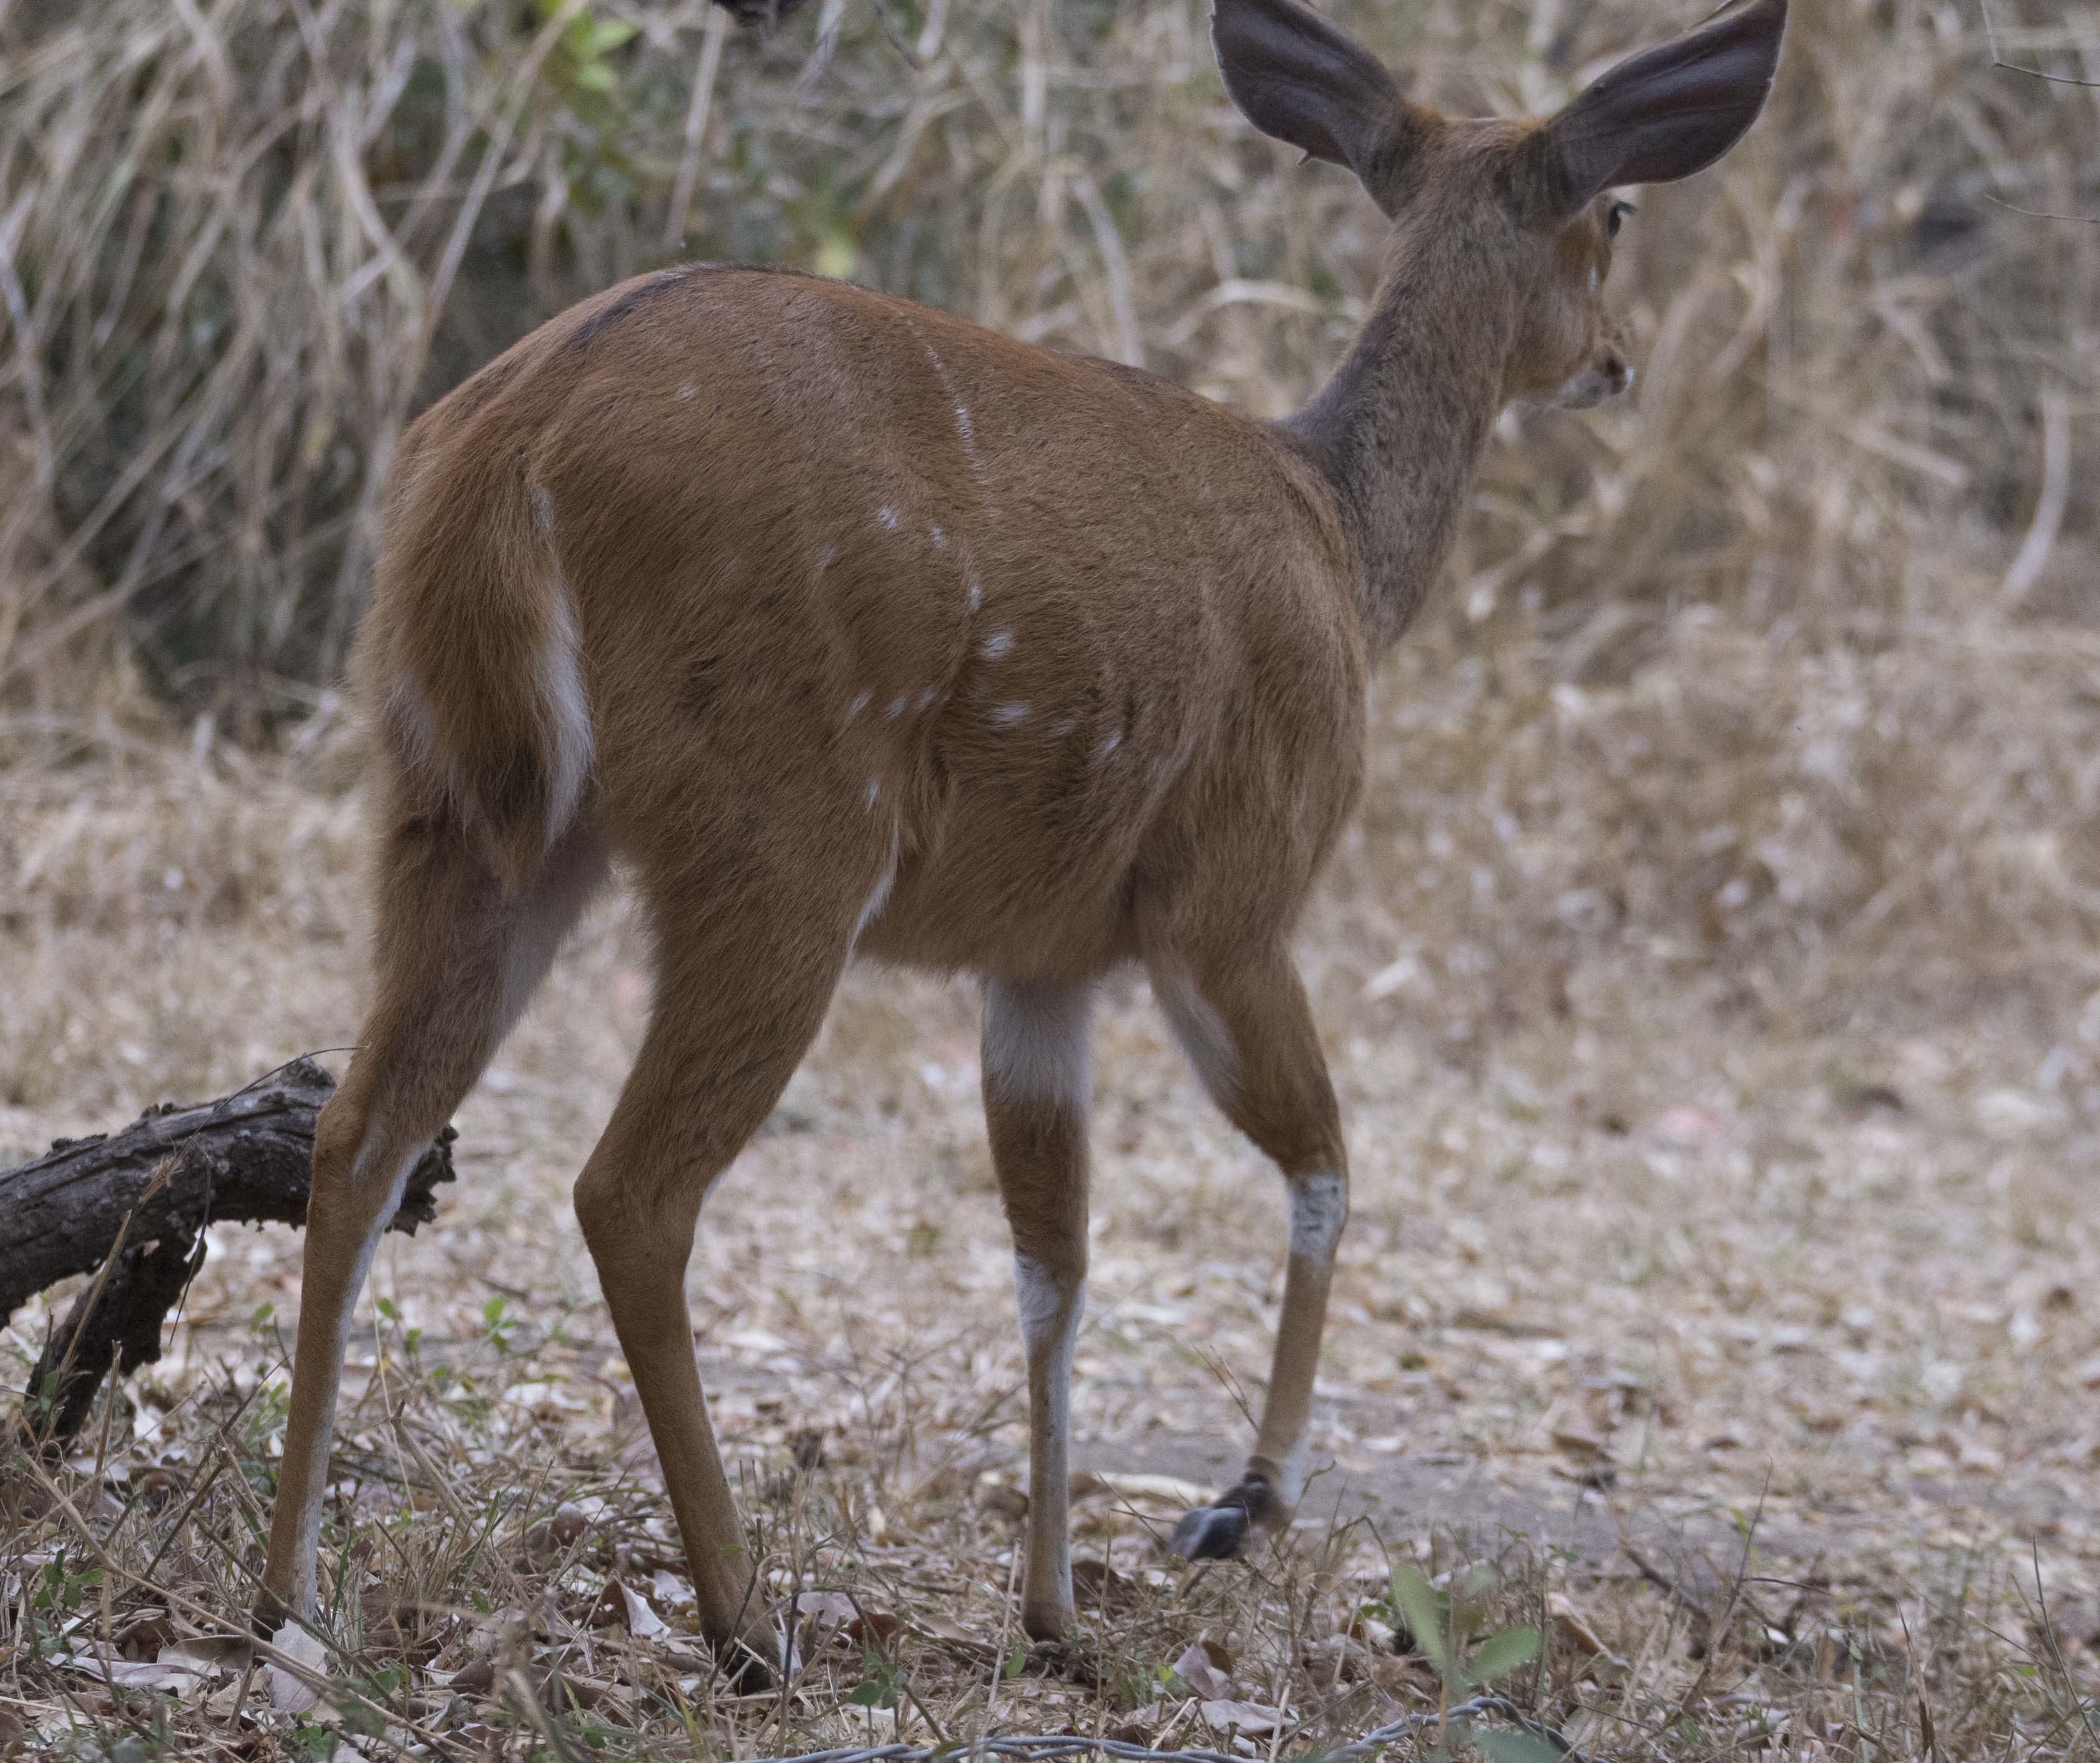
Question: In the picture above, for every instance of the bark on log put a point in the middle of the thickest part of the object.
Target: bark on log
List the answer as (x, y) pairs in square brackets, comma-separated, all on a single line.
[(135, 1203)]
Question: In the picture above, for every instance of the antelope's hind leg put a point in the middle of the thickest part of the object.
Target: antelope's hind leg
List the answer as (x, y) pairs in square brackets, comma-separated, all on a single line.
[(457, 955), (749, 949), (1250, 1032)]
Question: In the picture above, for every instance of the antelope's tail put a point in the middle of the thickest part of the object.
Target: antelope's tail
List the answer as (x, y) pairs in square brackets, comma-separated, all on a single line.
[(471, 657)]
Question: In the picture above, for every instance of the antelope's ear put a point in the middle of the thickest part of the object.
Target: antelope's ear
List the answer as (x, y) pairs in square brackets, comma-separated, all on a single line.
[(1297, 77), (1664, 114)]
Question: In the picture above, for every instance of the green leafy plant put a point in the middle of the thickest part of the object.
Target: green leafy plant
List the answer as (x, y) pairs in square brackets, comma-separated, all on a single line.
[(1441, 1623), (581, 71), (496, 1324), (881, 1683)]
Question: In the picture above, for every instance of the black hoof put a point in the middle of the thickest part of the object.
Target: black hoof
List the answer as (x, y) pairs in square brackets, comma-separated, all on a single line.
[(1209, 1533), (745, 1670), (267, 1615)]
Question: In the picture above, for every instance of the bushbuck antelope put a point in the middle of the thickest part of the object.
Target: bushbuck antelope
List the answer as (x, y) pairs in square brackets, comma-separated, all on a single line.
[(857, 630)]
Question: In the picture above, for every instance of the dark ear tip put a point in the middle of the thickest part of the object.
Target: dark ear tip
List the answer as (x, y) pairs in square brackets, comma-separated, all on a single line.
[(1670, 111), (1755, 19), (750, 12), (1765, 15)]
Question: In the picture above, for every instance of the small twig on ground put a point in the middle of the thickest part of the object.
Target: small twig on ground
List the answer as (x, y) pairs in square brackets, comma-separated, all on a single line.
[(2039, 213), (1702, 1638), (1048, 1749), (1997, 60)]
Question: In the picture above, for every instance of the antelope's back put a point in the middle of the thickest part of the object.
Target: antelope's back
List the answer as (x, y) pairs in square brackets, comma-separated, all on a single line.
[(1060, 624)]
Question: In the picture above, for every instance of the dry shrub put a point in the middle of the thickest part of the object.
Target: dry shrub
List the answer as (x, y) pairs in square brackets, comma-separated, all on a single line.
[(244, 242), (1812, 837)]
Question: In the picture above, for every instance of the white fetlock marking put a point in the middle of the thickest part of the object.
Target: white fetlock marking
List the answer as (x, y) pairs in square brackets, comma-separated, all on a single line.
[(1319, 1209), (1293, 1468), (1049, 1314), (1038, 1042)]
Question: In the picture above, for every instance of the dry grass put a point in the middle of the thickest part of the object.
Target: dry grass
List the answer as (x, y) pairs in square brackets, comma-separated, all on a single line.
[(1707, 1208), (1712, 982), (243, 242)]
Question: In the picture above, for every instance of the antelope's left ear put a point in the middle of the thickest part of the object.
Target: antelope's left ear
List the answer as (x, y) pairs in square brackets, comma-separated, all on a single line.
[(1298, 77), (1663, 115)]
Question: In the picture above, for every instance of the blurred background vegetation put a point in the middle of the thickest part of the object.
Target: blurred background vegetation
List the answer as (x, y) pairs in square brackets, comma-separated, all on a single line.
[(242, 243), (1712, 979)]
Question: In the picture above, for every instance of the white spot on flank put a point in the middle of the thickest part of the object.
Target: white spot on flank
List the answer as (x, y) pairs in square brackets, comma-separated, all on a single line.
[(896, 708), (873, 793), (684, 393), (1319, 1209), (858, 705), (976, 594), (940, 539), (925, 697), (1039, 1041), (1593, 278), (1063, 726), (1113, 741), (1010, 713), (542, 513), (887, 516), (825, 558), (965, 431), (998, 643)]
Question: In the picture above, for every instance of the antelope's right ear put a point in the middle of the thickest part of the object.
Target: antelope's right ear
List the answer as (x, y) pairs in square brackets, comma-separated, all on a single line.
[(1297, 77), (1662, 115)]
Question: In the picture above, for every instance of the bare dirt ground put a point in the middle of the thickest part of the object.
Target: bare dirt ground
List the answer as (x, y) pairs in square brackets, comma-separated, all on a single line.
[(1747, 1220)]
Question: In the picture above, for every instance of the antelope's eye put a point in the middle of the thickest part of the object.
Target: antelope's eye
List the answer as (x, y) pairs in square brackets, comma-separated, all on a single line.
[(1613, 215)]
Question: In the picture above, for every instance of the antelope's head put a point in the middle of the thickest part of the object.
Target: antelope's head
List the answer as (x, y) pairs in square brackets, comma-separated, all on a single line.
[(1530, 203)]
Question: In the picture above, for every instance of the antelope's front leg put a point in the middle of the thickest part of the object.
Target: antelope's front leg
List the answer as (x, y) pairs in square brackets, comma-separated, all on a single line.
[(1248, 1029), (1037, 1089)]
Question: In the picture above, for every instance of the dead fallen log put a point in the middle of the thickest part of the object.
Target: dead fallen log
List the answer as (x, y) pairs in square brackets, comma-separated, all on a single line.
[(135, 1204)]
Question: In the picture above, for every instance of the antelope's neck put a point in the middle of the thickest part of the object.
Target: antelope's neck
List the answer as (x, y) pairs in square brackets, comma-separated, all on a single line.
[(1399, 429)]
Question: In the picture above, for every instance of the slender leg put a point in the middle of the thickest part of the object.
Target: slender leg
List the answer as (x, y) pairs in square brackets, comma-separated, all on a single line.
[(747, 962), (1037, 1091), (457, 961), (1251, 1033)]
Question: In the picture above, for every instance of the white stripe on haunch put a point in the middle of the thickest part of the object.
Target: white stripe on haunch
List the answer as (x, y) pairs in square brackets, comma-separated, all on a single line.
[(558, 672)]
